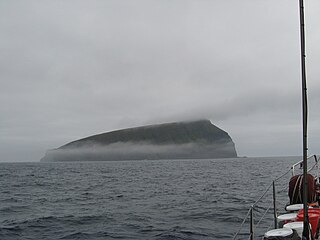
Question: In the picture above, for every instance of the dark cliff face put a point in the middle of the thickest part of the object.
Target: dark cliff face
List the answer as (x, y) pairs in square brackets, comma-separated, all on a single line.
[(196, 139)]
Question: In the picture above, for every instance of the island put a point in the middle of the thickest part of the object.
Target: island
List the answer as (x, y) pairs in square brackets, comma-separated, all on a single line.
[(178, 140)]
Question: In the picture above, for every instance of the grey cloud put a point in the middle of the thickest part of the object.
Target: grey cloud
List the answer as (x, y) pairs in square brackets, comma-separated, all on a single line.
[(69, 69)]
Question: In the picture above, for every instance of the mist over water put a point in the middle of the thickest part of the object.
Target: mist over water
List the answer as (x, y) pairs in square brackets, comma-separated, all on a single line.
[(168, 199), (91, 151)]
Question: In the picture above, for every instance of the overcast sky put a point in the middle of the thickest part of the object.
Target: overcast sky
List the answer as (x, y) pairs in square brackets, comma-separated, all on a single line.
[(70, 69)]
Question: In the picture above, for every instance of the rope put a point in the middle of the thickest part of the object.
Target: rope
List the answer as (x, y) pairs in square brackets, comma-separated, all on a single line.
[(283, 175), (283, 189), (269, 227), (312, 167), (256, 202), (262, 217), (240, 228), (296, 197)]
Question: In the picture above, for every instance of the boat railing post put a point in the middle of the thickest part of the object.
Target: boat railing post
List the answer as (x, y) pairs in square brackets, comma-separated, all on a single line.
[(315, 157), (251, 223), (274, 206)]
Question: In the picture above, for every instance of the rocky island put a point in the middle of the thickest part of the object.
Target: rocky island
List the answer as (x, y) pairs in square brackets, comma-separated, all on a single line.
[(179, 140)]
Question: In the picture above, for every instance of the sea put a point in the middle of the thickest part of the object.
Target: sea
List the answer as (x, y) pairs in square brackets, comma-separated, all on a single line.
[(147, 199)]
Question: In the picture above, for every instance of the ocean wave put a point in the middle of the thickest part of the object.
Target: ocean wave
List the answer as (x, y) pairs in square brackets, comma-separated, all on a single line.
[(144, 200)]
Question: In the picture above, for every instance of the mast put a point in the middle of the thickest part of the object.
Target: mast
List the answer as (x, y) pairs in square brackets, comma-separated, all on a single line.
[(304, 121)]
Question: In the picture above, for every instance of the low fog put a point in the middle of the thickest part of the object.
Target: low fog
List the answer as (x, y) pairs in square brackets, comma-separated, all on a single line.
[(139, 151)]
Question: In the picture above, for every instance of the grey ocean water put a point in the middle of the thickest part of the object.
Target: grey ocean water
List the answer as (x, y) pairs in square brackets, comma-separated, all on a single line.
[(164, 199)]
